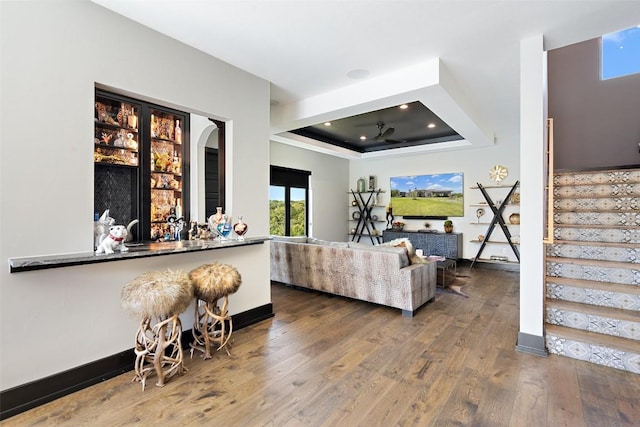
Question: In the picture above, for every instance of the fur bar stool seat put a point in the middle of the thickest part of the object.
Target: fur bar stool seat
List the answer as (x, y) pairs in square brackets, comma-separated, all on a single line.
[(157, 299), (212, 323)]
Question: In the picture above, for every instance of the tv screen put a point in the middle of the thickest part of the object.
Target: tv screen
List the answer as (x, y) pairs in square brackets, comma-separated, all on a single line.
[(427, 196)]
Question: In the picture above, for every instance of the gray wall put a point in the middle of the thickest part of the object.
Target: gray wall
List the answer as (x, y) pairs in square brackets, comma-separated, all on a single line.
[(597, 123)]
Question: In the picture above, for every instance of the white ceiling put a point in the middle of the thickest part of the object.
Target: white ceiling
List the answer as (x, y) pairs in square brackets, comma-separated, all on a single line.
[(305, 48)]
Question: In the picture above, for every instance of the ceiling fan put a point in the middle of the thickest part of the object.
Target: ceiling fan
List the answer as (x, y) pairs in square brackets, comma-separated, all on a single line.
[(383, 135)]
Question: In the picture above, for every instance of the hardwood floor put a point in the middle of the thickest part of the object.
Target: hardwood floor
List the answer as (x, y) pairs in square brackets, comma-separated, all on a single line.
[(330, 361)]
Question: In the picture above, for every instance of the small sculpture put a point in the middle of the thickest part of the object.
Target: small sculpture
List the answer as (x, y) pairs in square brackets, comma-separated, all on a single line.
[(114, 240), (102, 230)]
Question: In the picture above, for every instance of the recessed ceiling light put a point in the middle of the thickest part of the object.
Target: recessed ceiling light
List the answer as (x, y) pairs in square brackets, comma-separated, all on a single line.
[(404, 106), (358, 74), (327, 123), (431, 125), (363, 138)]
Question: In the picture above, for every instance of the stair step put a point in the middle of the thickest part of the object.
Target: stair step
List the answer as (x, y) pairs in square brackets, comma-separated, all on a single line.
[(597, 177), (593, 262), (615, 352), (627, 219), (594, 310), (609, 321), (596, 286), (597, 234), (601, 251), (610, 296), (599, 271), (607, 204), (596, 191), (625, 246)]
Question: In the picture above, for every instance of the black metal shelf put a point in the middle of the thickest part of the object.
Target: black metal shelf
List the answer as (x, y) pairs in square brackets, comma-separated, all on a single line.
[(365, 226), (497, 219)]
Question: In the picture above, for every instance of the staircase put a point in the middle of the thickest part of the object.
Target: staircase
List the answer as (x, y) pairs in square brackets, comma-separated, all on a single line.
[(593, 269)]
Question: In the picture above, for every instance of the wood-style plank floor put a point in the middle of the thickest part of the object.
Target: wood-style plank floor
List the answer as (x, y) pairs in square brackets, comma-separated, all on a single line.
[(330, 361)]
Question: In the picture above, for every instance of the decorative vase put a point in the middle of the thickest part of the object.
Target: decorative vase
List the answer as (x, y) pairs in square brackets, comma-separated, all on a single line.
[(224, 227), (514, 218), (361, 185), (240, 228), (448, 228)]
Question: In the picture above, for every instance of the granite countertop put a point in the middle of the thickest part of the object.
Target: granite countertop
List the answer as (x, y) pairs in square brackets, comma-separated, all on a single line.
[(136, 250)]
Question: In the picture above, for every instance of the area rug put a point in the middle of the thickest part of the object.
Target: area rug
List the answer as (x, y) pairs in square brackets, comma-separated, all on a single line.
[(454, 284)]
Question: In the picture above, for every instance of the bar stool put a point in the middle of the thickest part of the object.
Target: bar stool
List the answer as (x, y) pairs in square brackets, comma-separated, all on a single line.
[(212, 324), (158, 297)]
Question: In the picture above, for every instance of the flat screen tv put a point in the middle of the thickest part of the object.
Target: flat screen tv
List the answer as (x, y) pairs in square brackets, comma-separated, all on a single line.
[(427, 196)]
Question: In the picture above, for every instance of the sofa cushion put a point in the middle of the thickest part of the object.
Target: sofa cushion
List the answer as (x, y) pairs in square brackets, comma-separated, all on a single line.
[(315, 241), (291, 239), (401, 251)]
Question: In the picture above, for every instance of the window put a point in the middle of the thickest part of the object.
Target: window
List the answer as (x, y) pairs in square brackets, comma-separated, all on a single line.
[(288, 202), (620, 54)]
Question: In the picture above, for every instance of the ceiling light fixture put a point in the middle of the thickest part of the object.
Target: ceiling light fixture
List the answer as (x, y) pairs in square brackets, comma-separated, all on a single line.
[(363, 138), (404, 106), (327, 123), (431, 125)]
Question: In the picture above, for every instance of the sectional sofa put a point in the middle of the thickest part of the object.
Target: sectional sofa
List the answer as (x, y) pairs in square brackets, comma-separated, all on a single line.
[(378, 274)]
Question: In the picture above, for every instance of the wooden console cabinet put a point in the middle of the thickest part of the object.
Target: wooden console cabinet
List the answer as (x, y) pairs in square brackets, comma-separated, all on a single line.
[(448, 245)]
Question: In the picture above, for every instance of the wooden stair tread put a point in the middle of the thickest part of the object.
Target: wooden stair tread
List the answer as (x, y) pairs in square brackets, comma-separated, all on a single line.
[(596, 310), (591, 196), (590, 284), (600, 263), (583, 243), (609, 341), (607, 227), (597, 211), (596, 171)]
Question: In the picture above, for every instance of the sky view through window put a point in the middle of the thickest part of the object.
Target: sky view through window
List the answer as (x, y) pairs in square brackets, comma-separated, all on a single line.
[(621, 53)]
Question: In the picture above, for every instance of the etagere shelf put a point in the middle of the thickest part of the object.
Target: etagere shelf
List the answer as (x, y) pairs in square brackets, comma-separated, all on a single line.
[(365, 202), (497, 208)]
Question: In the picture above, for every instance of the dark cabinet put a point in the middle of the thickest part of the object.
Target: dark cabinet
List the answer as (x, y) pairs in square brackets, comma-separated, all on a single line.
[(141, 156), (448, 245)]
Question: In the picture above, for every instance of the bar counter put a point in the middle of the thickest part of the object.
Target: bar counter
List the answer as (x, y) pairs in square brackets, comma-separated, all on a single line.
[(136, 250)]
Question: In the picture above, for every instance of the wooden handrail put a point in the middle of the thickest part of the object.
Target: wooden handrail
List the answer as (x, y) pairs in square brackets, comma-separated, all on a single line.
[(548, 239)]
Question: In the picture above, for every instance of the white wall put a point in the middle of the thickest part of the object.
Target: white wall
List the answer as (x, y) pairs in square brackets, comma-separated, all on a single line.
[(473, 163), (328, 188), (53, 53), (533, 113)]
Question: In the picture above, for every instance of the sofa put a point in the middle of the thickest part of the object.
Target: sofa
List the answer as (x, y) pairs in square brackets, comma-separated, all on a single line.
[(378, 274)]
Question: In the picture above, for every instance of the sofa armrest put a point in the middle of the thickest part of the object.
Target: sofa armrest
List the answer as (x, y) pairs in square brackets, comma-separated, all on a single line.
[(422, 279)]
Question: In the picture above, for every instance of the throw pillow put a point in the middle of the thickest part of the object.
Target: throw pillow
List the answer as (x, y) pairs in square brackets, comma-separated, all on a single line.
[(411, 252)]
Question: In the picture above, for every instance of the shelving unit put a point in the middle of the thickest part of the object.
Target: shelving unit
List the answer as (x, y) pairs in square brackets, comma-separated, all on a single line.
[(165, 170), (141, 167), (497, 209), (365, 224)]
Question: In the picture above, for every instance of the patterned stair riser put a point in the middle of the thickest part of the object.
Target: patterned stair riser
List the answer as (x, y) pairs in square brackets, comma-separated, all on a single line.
[(623, 276), (594, 353), (593, 323), (612, 204), (627, 219), (611, 235), (597, 297), (586, 191), (605, 177), (598, 253)]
